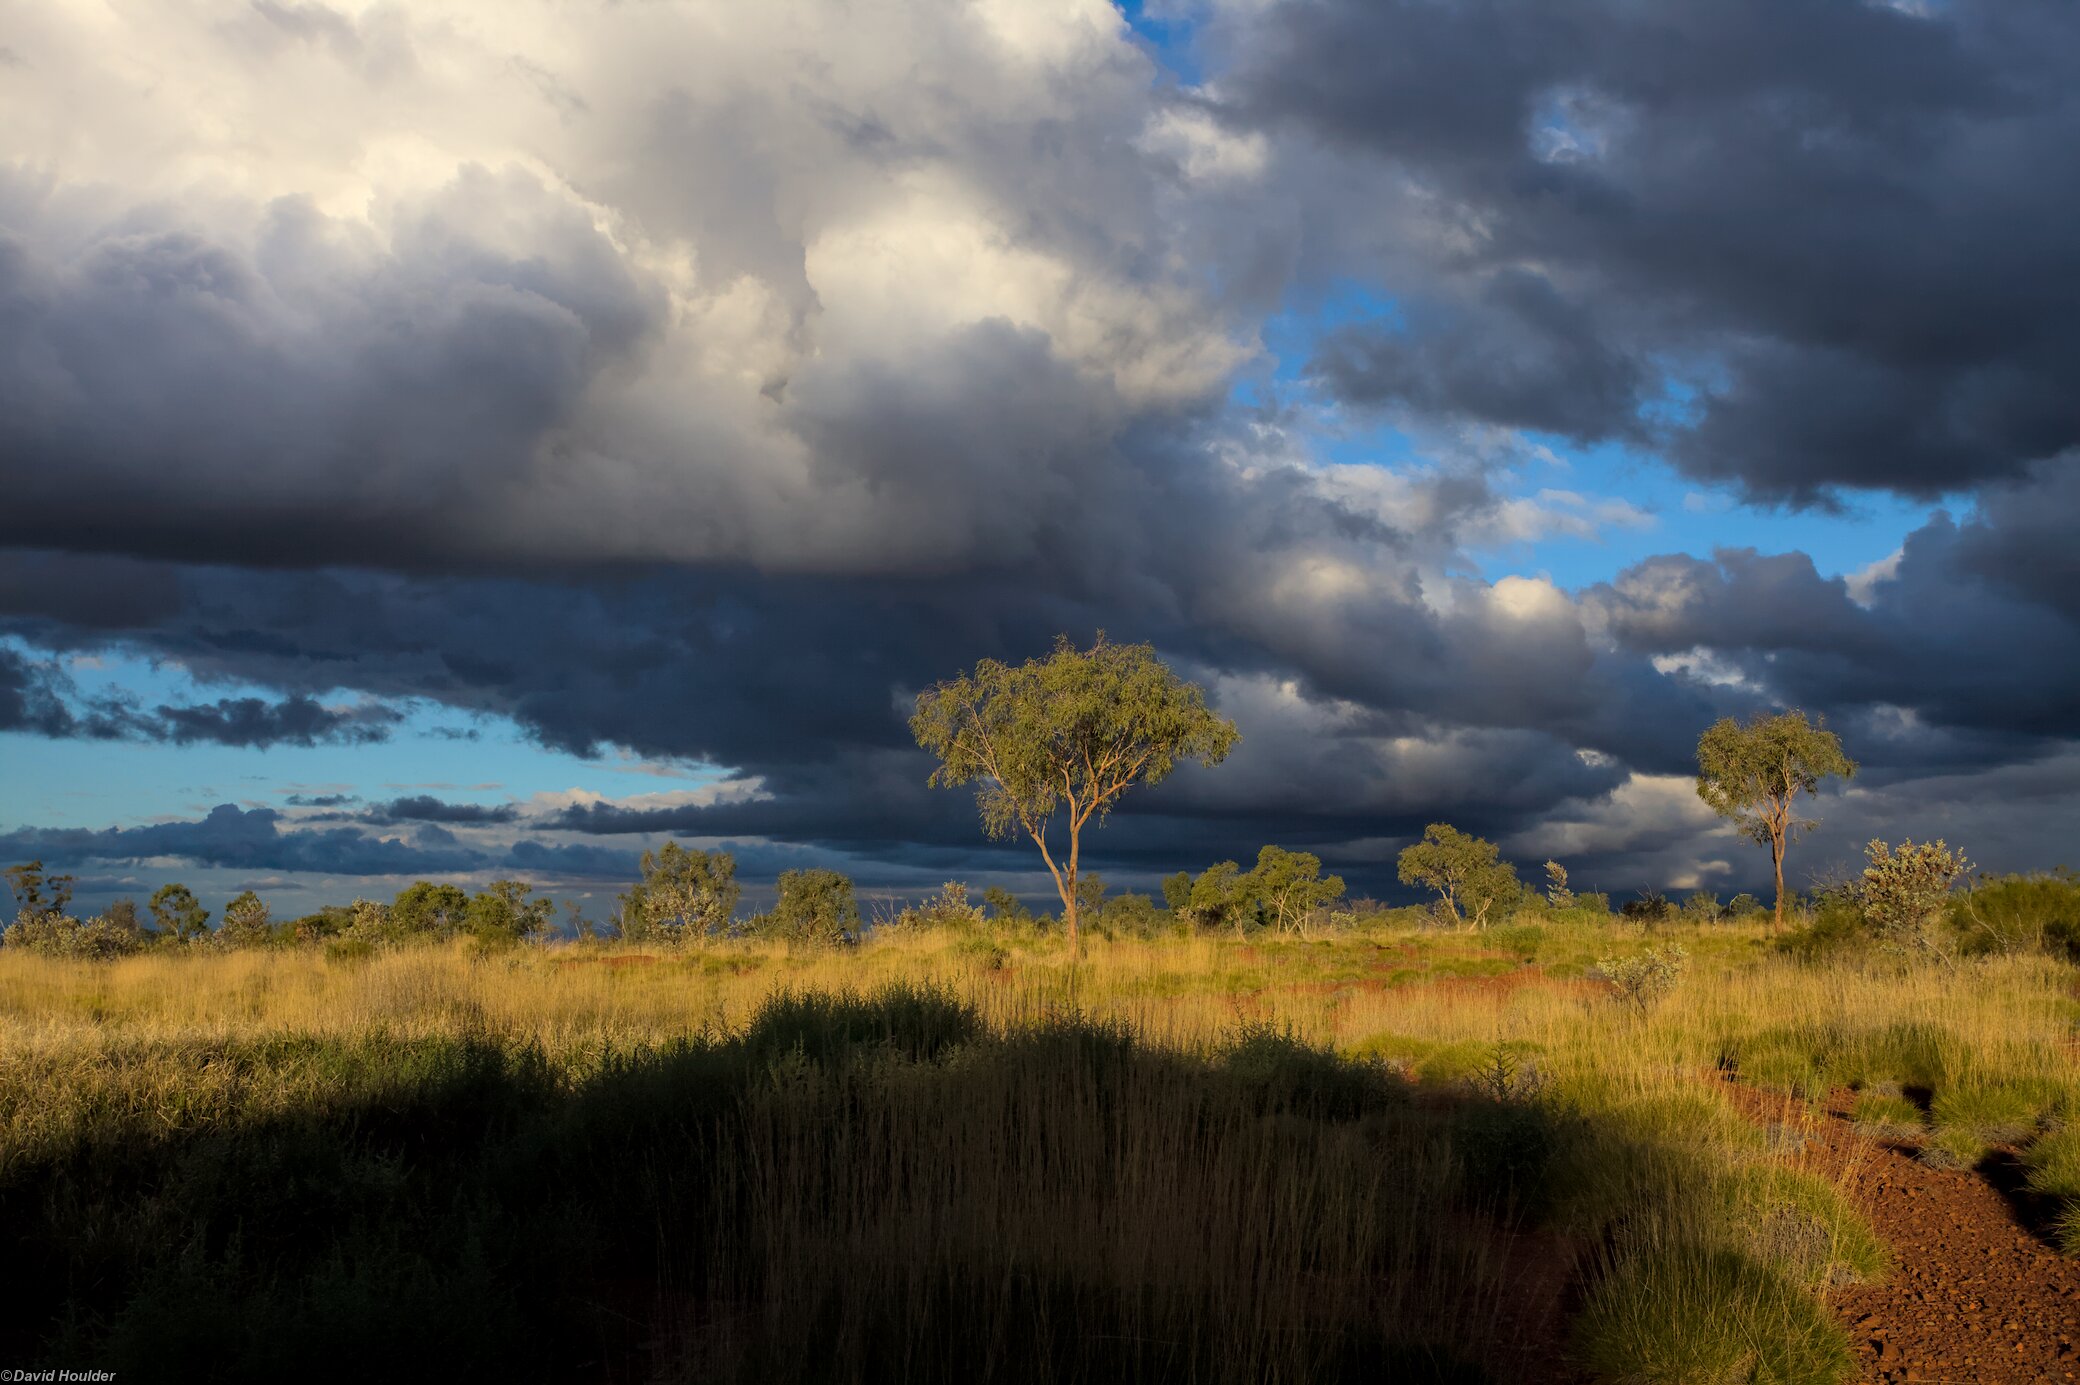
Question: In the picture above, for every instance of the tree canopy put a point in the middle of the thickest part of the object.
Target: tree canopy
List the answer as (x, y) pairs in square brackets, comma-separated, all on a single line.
[(1064, 737)]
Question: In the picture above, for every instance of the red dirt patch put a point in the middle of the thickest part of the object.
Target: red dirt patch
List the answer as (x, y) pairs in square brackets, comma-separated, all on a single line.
[(1974, 1297)]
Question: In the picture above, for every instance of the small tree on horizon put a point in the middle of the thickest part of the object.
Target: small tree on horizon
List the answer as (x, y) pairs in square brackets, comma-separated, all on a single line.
[(1752, 774), (1065, 735), (1466, 871), (245, 923), (815, 906), (1290, 885), (179, 916), (36, 892), (683, 894)]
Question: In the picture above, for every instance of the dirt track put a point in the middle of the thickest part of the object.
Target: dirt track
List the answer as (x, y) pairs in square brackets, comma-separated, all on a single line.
[(1976, 1295)]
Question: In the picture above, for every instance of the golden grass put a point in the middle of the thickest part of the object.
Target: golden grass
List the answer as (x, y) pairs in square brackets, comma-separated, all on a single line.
[(165, 1041)]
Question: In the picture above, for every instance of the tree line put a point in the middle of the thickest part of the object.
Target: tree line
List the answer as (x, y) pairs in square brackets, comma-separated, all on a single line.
[(1051, 747)]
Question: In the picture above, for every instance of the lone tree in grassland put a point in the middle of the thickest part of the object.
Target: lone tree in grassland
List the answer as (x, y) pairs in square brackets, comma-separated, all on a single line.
[(1753, 773), (1067, 734), (1466, 871)]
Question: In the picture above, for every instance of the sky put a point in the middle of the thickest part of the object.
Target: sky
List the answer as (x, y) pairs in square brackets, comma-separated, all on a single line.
[(476, 440)]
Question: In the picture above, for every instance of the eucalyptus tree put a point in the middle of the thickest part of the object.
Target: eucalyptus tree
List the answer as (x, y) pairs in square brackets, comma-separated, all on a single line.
[(1468, 873), (1062, 739), (1291, 886), (1752, 773)]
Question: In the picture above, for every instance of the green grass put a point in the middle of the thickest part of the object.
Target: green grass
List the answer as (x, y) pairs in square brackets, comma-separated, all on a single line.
[(1886, 1117), (1990, 1114)]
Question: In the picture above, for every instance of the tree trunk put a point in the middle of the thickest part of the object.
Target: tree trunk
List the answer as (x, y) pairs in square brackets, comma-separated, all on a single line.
[(1776, 859), (1069, 894)]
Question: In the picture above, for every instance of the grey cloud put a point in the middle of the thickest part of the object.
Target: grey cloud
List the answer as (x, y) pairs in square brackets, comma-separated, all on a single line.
[(427, 808), (1832, 219), (249, 839), (296, 720)]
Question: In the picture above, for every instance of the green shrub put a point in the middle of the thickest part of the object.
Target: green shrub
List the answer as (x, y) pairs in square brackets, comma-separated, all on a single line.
[(816, 908), (61, 935), (1291, 1074), (1905, 892), (1522, 940), (1648, 978), (1802, 1225), (2066, 1227), (1835, 929), (2019, 913)]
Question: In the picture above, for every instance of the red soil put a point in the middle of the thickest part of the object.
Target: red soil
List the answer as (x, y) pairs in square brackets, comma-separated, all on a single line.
[(1975, 1295)]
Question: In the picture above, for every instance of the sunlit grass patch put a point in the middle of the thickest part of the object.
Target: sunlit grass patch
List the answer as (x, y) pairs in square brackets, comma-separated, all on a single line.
[(1688, 1315), (1885, 1117)]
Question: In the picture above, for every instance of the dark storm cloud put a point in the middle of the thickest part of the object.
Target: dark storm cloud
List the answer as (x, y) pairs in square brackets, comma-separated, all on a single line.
[(1523, 356), (296, 720), (249, 839), (40, 697), (1954, 653), (1839, 220), (341, 400), (427, 808)]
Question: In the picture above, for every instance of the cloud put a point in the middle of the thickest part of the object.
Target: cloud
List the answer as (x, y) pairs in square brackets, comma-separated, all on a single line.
[(1830, 222), (700, 391), (38, 697), (427, 808)]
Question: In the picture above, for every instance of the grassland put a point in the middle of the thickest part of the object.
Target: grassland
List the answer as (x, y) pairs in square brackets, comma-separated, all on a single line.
[(953, 1155)]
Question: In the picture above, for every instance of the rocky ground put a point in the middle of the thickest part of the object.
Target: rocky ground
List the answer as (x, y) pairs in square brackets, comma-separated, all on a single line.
[(1978, 1296)]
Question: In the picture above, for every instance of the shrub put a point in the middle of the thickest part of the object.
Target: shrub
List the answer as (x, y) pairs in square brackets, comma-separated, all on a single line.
[(1801, 1224), (1904, 892), (2066, 1227), (1594, 901), (816, 907), (2019, 913), (1648, 978), (1833, 930), (1289, 1074), (1650, 907), (61, 935), (918, 1022), (1703, 907)]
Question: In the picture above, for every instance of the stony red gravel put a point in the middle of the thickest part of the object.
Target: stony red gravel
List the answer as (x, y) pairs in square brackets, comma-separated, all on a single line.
[(1976, 1297)]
